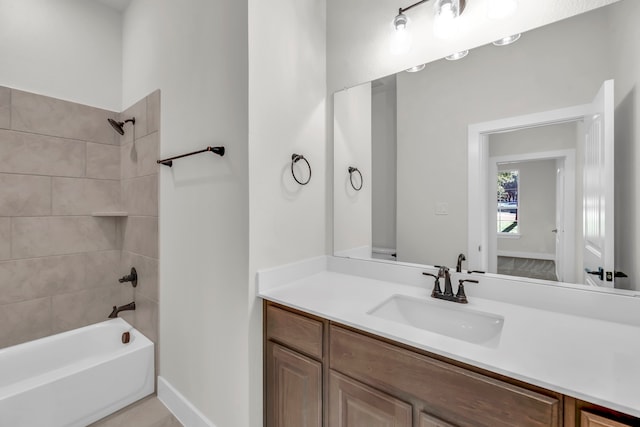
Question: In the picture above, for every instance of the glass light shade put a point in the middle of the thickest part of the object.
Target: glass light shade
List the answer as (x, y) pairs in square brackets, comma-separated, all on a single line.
[(500, 9), (457, 55), (445, 23), (507, 40), (400, 40), (416, 68)]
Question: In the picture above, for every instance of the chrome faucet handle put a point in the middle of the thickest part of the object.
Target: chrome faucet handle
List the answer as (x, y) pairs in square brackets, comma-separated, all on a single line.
[(436, 284), (460, 296)]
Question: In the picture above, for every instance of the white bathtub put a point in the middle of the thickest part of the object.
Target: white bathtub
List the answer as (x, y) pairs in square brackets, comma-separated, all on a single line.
[(74, 378)]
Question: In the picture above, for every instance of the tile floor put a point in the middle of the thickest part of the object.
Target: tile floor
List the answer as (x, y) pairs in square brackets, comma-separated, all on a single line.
[(149, 412)]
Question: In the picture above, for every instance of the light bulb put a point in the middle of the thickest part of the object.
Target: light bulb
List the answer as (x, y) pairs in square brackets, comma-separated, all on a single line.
[(445, 23), (500, 9), (400, 42)]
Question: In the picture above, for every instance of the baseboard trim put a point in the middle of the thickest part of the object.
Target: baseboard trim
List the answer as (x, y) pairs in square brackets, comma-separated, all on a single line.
[(180, 407)]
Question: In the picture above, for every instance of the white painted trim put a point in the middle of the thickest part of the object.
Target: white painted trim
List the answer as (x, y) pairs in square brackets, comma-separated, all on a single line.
[(180, 407), (532, 255), (478, 170)]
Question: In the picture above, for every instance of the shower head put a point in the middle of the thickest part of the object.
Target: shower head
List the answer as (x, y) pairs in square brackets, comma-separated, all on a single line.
[(119, 126)]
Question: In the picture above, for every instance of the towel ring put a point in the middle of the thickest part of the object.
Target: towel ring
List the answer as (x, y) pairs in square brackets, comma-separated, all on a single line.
[(351, 171), (294, 159)]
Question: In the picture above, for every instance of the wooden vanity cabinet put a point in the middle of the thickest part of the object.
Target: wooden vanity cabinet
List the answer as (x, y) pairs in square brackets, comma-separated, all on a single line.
[(294, 374), (318, 373)]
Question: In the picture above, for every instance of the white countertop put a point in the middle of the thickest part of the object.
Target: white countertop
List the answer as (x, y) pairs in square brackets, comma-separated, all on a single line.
[(592, 359)]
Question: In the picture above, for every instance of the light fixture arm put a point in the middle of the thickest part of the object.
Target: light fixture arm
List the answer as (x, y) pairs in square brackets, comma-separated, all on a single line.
[(404, 9)]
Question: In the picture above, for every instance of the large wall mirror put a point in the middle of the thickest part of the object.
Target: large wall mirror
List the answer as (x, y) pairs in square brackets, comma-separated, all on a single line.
[(504, 156)]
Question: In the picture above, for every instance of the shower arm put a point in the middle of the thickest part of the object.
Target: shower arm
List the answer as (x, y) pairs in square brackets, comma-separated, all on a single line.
[(169, 161)]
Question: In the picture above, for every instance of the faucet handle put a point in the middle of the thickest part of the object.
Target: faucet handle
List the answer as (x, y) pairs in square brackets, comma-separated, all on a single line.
[(436, 284), (461, 297)]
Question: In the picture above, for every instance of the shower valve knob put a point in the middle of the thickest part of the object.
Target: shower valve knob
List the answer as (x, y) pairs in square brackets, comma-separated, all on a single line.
[(133, 277)]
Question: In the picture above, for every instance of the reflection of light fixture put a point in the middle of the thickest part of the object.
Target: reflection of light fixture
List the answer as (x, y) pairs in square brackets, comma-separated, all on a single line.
[(457, 55), (507, 40), (400, 39), (445, 23), (416, 68), (499, 9)]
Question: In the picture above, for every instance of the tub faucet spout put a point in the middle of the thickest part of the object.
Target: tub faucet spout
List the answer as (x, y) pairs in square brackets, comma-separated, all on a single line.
[(116, 310)]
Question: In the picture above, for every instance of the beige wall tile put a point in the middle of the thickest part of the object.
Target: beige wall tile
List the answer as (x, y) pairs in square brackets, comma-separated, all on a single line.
[(103, 161), (139, 111), (78, 309), (5, 238), (25, 195), (147, 269), (153, 112), (49, 116), (140, 235), (46, 236), (5, 107), (140, 195), (28, 279), (140, 159), (25, 321), (28, 153), (144, 318), (148, 154), (80, 196), (103, 269)]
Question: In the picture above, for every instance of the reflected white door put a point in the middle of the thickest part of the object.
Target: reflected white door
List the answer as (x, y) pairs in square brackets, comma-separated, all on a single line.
[(598, 231), (559, 230)]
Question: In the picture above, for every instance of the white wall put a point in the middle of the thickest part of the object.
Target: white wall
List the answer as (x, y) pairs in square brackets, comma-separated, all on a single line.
[(352, 147), (196, 52), (625, 36), (383, 162), (537, 213), (534, 140), (548, 68), (287, 114), (67, 49)]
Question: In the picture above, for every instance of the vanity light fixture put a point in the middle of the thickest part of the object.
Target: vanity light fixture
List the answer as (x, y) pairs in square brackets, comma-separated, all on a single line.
[(457, 55), (500, 9), (445, 23), (505, 41), (401, 38), (416, 68)]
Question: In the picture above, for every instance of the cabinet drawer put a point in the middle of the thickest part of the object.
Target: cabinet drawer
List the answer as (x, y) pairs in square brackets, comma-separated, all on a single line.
[(588, 419), (295, 331), (451, 393)]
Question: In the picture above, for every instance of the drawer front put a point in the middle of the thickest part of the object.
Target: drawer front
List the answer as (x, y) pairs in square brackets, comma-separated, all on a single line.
[(295, 331), (588, 419), (451, 393)]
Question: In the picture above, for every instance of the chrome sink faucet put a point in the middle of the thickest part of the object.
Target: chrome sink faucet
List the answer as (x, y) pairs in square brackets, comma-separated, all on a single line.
[(448, 295)]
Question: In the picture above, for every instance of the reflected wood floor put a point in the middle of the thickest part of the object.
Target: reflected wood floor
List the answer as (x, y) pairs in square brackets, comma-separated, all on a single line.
[(148, 412), (527, 267)]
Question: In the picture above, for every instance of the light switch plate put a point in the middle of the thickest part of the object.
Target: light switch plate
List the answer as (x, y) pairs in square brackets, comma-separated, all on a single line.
[(442, 208)]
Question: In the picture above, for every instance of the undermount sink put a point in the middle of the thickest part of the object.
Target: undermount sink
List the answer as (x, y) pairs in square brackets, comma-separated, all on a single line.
[(451, 320)]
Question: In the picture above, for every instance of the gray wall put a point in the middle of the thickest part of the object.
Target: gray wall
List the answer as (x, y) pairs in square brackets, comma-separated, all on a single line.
[(383, 161), (60, 162)]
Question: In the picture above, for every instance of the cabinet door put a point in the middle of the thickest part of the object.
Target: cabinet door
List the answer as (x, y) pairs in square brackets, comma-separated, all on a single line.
[(588, 419), (352, 404), (431, 421), (294, 389)]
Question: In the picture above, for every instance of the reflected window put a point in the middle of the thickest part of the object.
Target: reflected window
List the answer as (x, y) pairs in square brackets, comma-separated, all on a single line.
[(508, 204)]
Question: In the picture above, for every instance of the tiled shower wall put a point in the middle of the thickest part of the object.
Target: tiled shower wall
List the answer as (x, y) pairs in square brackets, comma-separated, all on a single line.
[(139, 150), (60, 163)]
